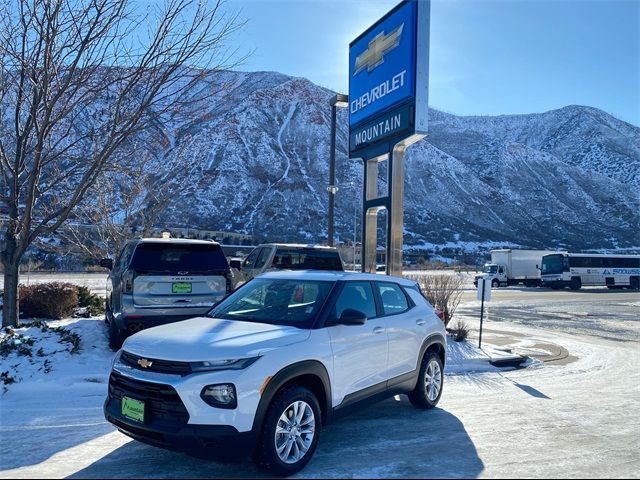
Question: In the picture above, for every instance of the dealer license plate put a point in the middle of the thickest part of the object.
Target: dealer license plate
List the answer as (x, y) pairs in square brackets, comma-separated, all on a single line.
[(133, 409), (182, 287)]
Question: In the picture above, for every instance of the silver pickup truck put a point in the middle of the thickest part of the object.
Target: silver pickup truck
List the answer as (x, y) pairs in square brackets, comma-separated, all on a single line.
[(288, 256)]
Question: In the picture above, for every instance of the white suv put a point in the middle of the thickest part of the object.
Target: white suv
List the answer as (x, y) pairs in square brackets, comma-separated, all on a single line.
[(275, 362)]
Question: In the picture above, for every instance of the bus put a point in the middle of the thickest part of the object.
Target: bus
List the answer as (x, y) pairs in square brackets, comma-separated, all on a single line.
[(575, 270)]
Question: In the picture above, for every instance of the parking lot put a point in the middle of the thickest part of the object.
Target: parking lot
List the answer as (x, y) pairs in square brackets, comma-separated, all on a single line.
[(571, 415)]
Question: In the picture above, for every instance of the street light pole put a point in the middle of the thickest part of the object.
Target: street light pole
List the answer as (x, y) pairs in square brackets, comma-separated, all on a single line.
[(339, 100)]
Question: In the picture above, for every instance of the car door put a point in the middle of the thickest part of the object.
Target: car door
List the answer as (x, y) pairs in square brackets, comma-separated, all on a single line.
[(264, 261), (406, 327), (249, 263), (360, 352)]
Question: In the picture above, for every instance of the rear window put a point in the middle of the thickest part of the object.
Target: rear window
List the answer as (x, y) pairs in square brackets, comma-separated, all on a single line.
[(173, 258), (307, 259)]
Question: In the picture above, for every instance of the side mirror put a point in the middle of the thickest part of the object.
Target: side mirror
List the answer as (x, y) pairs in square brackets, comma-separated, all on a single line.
[(537, 267), (237, 264), (106, 263), (351, 317)]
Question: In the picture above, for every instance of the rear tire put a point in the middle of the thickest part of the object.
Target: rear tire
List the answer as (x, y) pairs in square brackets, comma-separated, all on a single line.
[(634, 283), (576, 283), (116, 337), (430, 382), (290, 432)]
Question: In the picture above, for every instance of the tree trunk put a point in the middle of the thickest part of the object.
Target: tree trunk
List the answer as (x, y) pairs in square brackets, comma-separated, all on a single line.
[(10, 298)]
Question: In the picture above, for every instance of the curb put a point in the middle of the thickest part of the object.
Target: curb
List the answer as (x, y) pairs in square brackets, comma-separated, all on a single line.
[(508, 361)]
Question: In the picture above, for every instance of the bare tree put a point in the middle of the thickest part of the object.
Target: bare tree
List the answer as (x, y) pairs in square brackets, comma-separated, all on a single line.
[(79, 79), (128, 199), (442, 291)]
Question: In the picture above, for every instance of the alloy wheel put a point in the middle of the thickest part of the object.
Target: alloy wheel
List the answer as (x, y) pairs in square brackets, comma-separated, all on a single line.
[(295, 431), (433, 380)]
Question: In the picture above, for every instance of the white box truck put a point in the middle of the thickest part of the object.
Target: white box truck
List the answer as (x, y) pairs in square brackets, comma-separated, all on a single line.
[(511, 267)]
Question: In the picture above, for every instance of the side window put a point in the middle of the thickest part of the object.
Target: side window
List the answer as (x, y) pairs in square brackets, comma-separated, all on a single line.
[(393, 298), (359, 296), (125, 256), (251, 259), (263, 257)]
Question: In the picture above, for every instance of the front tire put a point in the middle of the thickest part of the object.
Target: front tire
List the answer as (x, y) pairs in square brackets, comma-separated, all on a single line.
[(290, 432), (430, 382), (495, 284), (576, 283)]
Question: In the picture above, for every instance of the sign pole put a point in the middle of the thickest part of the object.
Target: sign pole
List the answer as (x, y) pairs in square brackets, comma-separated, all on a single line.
[(388, 111), (484, 283)]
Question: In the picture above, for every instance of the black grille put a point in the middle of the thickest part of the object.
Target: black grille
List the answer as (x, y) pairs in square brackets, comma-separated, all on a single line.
[(162, 402), (161, 366)]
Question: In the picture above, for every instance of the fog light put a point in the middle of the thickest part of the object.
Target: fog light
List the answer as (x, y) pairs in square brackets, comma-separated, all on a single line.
[(220, 396)]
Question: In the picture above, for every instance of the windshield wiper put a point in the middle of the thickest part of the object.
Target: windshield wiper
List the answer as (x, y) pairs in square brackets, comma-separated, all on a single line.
[(241, 318)]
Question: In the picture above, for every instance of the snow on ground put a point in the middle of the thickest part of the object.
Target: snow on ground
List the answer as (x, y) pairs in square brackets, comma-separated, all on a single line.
[(45, 356), (579, 419), (96, 281)]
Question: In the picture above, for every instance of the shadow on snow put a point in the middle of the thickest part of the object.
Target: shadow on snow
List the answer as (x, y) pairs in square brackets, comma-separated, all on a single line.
[(389, 439)]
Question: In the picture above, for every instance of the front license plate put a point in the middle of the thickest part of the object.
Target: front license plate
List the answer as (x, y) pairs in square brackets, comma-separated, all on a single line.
[(133, 409), (182, 287)]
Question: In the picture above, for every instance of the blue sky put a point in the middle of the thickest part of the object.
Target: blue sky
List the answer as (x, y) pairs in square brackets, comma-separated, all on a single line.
[(488, 57)]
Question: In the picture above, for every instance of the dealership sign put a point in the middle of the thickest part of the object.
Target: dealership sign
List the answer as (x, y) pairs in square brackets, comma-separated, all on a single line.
[(388, 79)]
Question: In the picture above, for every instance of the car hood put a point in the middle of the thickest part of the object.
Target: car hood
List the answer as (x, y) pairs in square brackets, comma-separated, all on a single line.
[(205, 338)]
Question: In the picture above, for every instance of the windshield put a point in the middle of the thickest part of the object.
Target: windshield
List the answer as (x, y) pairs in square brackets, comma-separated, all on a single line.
[(173, 258), (275, 301), (552, 264), (490, 269)]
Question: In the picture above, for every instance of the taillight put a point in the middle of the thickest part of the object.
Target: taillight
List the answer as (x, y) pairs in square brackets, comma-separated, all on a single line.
[(439, 314), (127, 281)]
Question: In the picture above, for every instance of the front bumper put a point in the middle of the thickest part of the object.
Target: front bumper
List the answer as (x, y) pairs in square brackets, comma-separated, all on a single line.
[(220, 442), (166, 423)]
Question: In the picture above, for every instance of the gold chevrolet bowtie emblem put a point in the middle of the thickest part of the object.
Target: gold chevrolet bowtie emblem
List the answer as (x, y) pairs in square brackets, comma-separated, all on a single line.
[(378, 48), (144, 363)]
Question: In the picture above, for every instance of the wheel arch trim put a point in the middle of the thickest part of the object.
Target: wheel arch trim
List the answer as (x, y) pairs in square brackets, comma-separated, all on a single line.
[(286, 375), (433, 339)]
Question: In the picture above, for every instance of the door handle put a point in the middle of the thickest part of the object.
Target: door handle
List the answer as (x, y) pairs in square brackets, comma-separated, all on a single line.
[(378, 330), (420, 322)]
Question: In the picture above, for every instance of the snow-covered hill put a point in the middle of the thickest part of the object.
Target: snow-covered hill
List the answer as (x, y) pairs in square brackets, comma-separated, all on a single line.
[(257, 152)]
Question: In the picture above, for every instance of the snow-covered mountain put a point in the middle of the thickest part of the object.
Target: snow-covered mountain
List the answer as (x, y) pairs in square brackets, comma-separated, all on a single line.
[(258, 153)]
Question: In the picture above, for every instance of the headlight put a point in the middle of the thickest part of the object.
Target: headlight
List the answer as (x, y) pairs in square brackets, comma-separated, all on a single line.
[(221, 396), (217, 365)]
